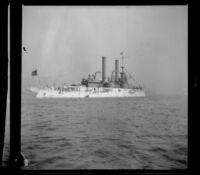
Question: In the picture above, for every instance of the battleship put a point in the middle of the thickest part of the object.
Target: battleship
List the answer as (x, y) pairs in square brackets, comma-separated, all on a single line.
[(117, 85)]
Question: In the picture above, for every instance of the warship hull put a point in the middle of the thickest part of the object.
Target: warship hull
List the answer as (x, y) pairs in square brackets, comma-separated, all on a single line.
[(84, 92)]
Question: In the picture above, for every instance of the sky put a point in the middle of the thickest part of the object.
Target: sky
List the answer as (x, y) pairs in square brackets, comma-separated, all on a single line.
[(66, 43)]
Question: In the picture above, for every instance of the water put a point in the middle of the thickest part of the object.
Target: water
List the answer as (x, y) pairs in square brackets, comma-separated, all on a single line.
[(120, 133)]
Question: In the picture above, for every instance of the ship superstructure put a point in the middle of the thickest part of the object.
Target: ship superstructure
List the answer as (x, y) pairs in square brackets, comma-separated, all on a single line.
[(117, 85)]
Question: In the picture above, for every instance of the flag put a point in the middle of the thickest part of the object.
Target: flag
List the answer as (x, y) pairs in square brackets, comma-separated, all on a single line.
[(34, 73), (121, 53)]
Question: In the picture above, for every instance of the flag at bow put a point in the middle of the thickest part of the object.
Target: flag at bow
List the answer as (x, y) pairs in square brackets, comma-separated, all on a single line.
[(34, 73)]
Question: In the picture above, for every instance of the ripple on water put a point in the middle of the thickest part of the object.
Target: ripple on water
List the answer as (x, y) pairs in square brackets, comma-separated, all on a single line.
[(142, 133)]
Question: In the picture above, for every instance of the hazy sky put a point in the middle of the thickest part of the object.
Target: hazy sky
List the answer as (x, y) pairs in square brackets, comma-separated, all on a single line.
[(66, 43)]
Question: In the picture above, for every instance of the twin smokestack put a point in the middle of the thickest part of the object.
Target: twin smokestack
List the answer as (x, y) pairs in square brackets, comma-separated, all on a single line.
[(104, 69)]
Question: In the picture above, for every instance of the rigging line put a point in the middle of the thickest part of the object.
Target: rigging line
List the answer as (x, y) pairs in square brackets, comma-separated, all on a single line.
[(132, 77), (129, 74), (58, 75)]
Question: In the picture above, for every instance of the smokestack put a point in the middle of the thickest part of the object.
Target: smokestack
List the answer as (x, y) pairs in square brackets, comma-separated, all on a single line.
[(116, 70), (103, 69)]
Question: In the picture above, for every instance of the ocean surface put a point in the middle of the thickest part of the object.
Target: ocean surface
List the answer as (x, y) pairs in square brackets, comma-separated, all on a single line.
[(111, 133)]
